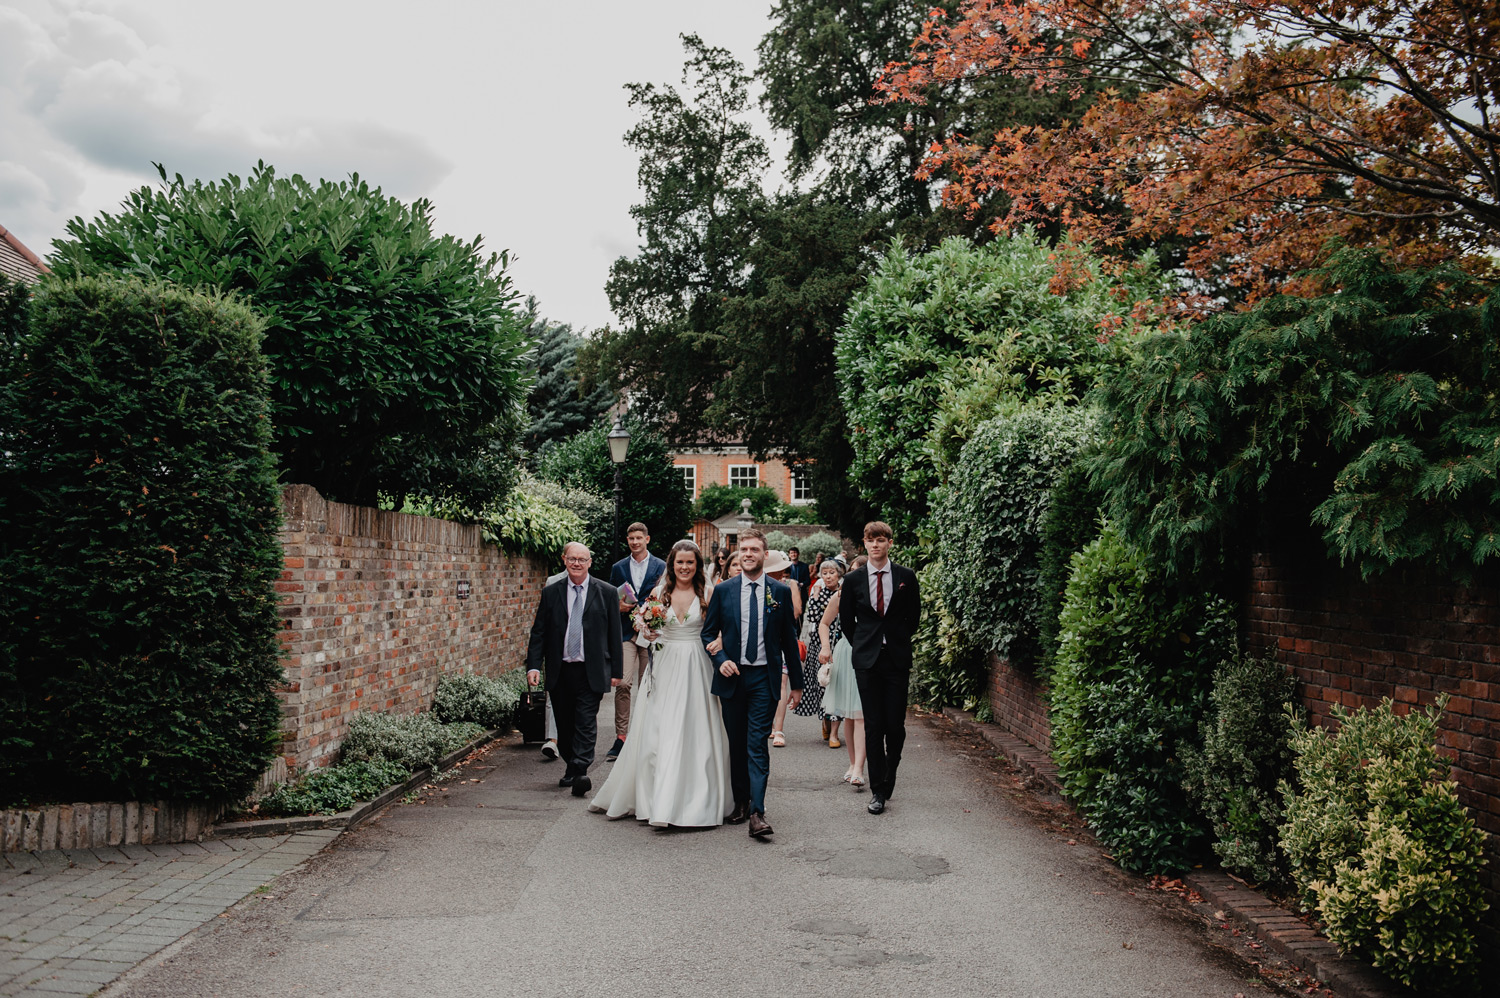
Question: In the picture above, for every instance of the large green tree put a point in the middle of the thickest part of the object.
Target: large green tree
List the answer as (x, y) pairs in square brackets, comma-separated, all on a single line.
[(398, 357), (558, 406)]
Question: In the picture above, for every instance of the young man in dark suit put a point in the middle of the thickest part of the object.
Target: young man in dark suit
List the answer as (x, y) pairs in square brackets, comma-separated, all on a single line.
[(643, 570), (879, 611), (575, 641)]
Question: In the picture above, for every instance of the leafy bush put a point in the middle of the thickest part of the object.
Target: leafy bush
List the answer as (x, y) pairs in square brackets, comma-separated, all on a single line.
[(1232, 779), (715, 500), (948, 670), (1133, 670), (821, 542), (597, 511), (414, 741), (139, 513), (791, 513), (1369, 411), (1014, 315), (988, 521), (653, 487), (1070, 522), (331, 790), (525, 524), (397, 358), (488, 702), (1381, 847)]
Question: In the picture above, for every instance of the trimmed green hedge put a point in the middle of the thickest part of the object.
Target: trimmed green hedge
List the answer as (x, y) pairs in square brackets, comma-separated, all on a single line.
[(989, 524), (1131, 681), (138, 518)]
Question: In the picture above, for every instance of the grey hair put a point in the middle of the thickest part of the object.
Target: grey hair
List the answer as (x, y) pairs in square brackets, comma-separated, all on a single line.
[(829, 562), (577, 544)]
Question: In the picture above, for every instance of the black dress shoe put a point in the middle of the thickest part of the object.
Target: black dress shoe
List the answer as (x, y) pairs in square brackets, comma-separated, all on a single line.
[(582, 785), (614, 751), (759, 826), (876, 805), (740, 813), (567, 780)]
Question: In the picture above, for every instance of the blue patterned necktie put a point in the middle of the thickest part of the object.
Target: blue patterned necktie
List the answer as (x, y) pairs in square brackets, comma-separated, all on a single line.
[(752, 632), (573, 650)]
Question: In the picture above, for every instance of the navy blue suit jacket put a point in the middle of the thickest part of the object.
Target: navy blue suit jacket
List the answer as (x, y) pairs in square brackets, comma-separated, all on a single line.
[(619, 574), (723, 618)]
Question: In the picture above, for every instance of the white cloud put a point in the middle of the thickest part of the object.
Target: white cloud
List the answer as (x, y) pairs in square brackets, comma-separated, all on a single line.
[(87, 100)]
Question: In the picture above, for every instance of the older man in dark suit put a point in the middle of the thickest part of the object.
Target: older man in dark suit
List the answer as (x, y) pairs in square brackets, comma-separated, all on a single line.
[(575, 639)]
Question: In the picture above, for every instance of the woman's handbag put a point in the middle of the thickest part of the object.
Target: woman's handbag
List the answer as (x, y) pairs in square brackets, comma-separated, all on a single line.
[(825, 673), (531, 715)]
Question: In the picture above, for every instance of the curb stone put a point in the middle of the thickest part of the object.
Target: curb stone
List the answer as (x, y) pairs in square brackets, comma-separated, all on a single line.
[(1035, 763), (355, 815), (1281, 931)]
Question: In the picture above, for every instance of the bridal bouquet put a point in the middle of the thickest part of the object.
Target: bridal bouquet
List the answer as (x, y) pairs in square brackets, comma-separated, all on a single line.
[(651, 616)]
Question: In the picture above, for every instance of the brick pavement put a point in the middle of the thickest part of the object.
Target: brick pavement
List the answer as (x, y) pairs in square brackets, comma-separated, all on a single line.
[(72, 920)]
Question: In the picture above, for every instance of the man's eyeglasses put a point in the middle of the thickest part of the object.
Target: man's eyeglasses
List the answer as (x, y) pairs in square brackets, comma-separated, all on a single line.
[(576, 561)]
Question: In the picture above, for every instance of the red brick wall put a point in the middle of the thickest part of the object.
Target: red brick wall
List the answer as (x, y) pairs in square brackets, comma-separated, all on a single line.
[(1409, 637), (371, 616), (1019, 703)]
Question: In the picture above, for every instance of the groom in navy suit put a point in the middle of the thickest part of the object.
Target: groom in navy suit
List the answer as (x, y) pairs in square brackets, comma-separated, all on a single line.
[(752, 612)]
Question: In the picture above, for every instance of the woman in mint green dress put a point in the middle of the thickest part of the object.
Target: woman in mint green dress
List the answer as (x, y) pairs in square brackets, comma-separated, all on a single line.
[(841, 698)]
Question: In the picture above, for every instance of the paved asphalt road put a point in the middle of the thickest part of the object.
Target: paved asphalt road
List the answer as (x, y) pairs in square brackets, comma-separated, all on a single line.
[(508, 887)]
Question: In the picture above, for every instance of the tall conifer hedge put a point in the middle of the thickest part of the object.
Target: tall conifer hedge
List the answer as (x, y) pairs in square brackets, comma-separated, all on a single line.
[(138, 519)]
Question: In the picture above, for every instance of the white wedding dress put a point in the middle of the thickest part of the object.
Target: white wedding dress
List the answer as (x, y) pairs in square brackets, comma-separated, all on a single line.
[(674, 768)]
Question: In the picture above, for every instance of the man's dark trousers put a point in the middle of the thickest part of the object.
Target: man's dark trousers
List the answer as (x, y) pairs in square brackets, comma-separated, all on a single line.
[(747, 721), (576, 708), (883, 689)]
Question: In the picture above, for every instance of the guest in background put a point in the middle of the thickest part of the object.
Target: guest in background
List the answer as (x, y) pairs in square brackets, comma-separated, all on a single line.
[(823, 590), (642, 570), (777, 567), (799, 571)]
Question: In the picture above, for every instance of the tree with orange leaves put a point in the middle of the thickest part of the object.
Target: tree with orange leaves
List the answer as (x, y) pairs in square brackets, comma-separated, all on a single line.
[(1283, 128)]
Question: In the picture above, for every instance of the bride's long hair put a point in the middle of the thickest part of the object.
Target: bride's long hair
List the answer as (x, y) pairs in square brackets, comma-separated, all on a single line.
[(669, 577)]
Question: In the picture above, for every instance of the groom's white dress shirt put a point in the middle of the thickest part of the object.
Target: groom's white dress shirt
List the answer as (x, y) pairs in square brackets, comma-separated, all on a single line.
[(746, 608)]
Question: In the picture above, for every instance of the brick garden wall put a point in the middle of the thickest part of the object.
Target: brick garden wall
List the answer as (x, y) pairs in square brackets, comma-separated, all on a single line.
[(371, 614), (1018, 702)]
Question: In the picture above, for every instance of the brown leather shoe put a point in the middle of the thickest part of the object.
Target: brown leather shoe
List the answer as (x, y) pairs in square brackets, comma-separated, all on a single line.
[(740, 813), (759, 826)]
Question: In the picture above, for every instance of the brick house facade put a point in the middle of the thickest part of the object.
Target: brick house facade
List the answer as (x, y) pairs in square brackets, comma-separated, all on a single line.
[(731, 464)]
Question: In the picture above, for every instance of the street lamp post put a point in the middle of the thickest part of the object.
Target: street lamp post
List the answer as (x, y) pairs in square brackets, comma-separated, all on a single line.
[(619, 446)]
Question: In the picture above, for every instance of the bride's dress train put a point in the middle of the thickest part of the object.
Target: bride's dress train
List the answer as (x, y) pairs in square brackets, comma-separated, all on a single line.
[(674, 768)]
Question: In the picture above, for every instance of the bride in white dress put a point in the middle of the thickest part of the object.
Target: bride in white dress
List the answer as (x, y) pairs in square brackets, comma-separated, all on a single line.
[(674, 768)]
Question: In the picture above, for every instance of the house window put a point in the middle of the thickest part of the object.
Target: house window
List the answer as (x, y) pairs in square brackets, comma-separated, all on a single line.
[(689, 479), (801, 487), (744, 476)]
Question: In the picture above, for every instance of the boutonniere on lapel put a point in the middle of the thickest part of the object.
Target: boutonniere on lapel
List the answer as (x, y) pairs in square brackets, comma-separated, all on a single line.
[(771, 603)]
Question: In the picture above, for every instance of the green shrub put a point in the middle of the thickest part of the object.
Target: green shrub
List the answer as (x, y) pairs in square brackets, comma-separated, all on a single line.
[(653, 487), (715, 500), (821, 542), (486, 701), (948, 670), (1133, 670), (1014, 316), (525, 524), (1070, 522), (793, 513), (139, 513), (988, 521), (1382, 849), (1369, 411), (398, 358), (414, 741), (596, 510), (331, 790), (1246, 752)]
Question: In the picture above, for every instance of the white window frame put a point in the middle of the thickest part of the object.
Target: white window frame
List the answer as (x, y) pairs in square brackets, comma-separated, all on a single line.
[(689, 474), (754, 470), (801, 483)]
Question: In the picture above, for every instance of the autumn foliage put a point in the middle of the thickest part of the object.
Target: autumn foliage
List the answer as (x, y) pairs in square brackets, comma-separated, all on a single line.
[(1252, 133)]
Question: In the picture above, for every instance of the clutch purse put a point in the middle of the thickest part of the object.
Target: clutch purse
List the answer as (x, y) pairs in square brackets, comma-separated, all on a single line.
[(825, 673)]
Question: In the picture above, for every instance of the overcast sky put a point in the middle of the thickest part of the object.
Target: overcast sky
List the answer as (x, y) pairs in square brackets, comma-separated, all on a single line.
[(508, 115)]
